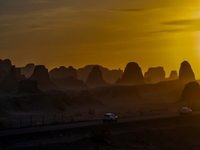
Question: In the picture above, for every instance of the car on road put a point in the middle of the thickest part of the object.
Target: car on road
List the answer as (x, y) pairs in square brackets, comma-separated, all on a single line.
[(185, 111), (110, 117)]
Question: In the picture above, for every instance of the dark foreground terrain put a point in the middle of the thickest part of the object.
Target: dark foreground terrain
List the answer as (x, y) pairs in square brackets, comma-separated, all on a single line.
[(181, 132)]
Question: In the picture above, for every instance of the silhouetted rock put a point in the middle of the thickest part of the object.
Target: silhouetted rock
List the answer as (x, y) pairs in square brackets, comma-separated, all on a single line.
[(132, 75), (63, 72), (28, 86), (19, 75), (109, 76), (69, 82), (95, 77), (28, 70), (191, 92), (155, 74), (147, 80), (173, 75), (40, 74), (5, 66), (10, 82), (191, 95), (186, 73)]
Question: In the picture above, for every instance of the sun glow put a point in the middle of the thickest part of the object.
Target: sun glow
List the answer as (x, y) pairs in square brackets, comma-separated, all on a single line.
[(197, 43), (196, 35), (152, 33)]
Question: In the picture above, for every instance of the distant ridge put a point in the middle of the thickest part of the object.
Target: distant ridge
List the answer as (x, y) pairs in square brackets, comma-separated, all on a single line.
[(109, 76), (63, 72)]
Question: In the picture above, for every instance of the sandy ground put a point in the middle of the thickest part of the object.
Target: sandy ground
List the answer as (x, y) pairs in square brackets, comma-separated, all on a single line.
[(160, 134), (122, 107), (124, 101)]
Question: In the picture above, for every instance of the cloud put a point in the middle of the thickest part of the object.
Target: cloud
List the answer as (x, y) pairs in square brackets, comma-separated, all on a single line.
[(35, 27), (128, 10), (189, 24), (169, 31), (183, 22)]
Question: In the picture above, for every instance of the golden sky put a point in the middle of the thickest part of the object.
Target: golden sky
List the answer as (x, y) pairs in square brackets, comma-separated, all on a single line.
[(107, 32)]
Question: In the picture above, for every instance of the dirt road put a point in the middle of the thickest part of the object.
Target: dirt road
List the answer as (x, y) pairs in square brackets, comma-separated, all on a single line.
[(78, 125)]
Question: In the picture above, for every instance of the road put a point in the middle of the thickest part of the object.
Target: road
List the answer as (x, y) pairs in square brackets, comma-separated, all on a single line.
[(78, 125)]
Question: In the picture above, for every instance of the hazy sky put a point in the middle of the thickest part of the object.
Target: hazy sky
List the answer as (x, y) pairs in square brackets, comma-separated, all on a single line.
[(106, 32)]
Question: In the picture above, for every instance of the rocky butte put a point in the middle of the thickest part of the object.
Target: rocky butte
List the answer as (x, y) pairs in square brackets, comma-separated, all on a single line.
[(186, 73), (95, 78), (191, 95), (132, 75), (155, 74), (173, 75), (5, 66), (191, 92), (41, 75)]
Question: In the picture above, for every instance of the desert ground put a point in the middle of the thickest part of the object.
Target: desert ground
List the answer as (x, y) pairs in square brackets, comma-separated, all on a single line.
[(55, 108), (181, 132), (44, 111)]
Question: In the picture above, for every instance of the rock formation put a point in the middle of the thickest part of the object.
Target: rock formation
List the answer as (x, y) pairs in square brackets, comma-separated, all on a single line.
[(95, 77), (155, 74), (19, 75), (40, 74), (10, 82), (191, 95), (186, 73), (173, 75), (109, 76), (63, 72), (28, 70), (5, 66), (191, 92), (132, 75)]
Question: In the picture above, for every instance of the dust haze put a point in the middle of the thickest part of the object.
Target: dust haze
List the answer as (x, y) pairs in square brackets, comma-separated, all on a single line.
[(33, 96)]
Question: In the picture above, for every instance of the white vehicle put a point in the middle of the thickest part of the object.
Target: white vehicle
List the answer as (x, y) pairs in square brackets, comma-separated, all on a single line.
[(185, 111), (110, 117)]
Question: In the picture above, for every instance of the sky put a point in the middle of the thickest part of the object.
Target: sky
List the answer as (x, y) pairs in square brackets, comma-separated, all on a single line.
[(110, 33)]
